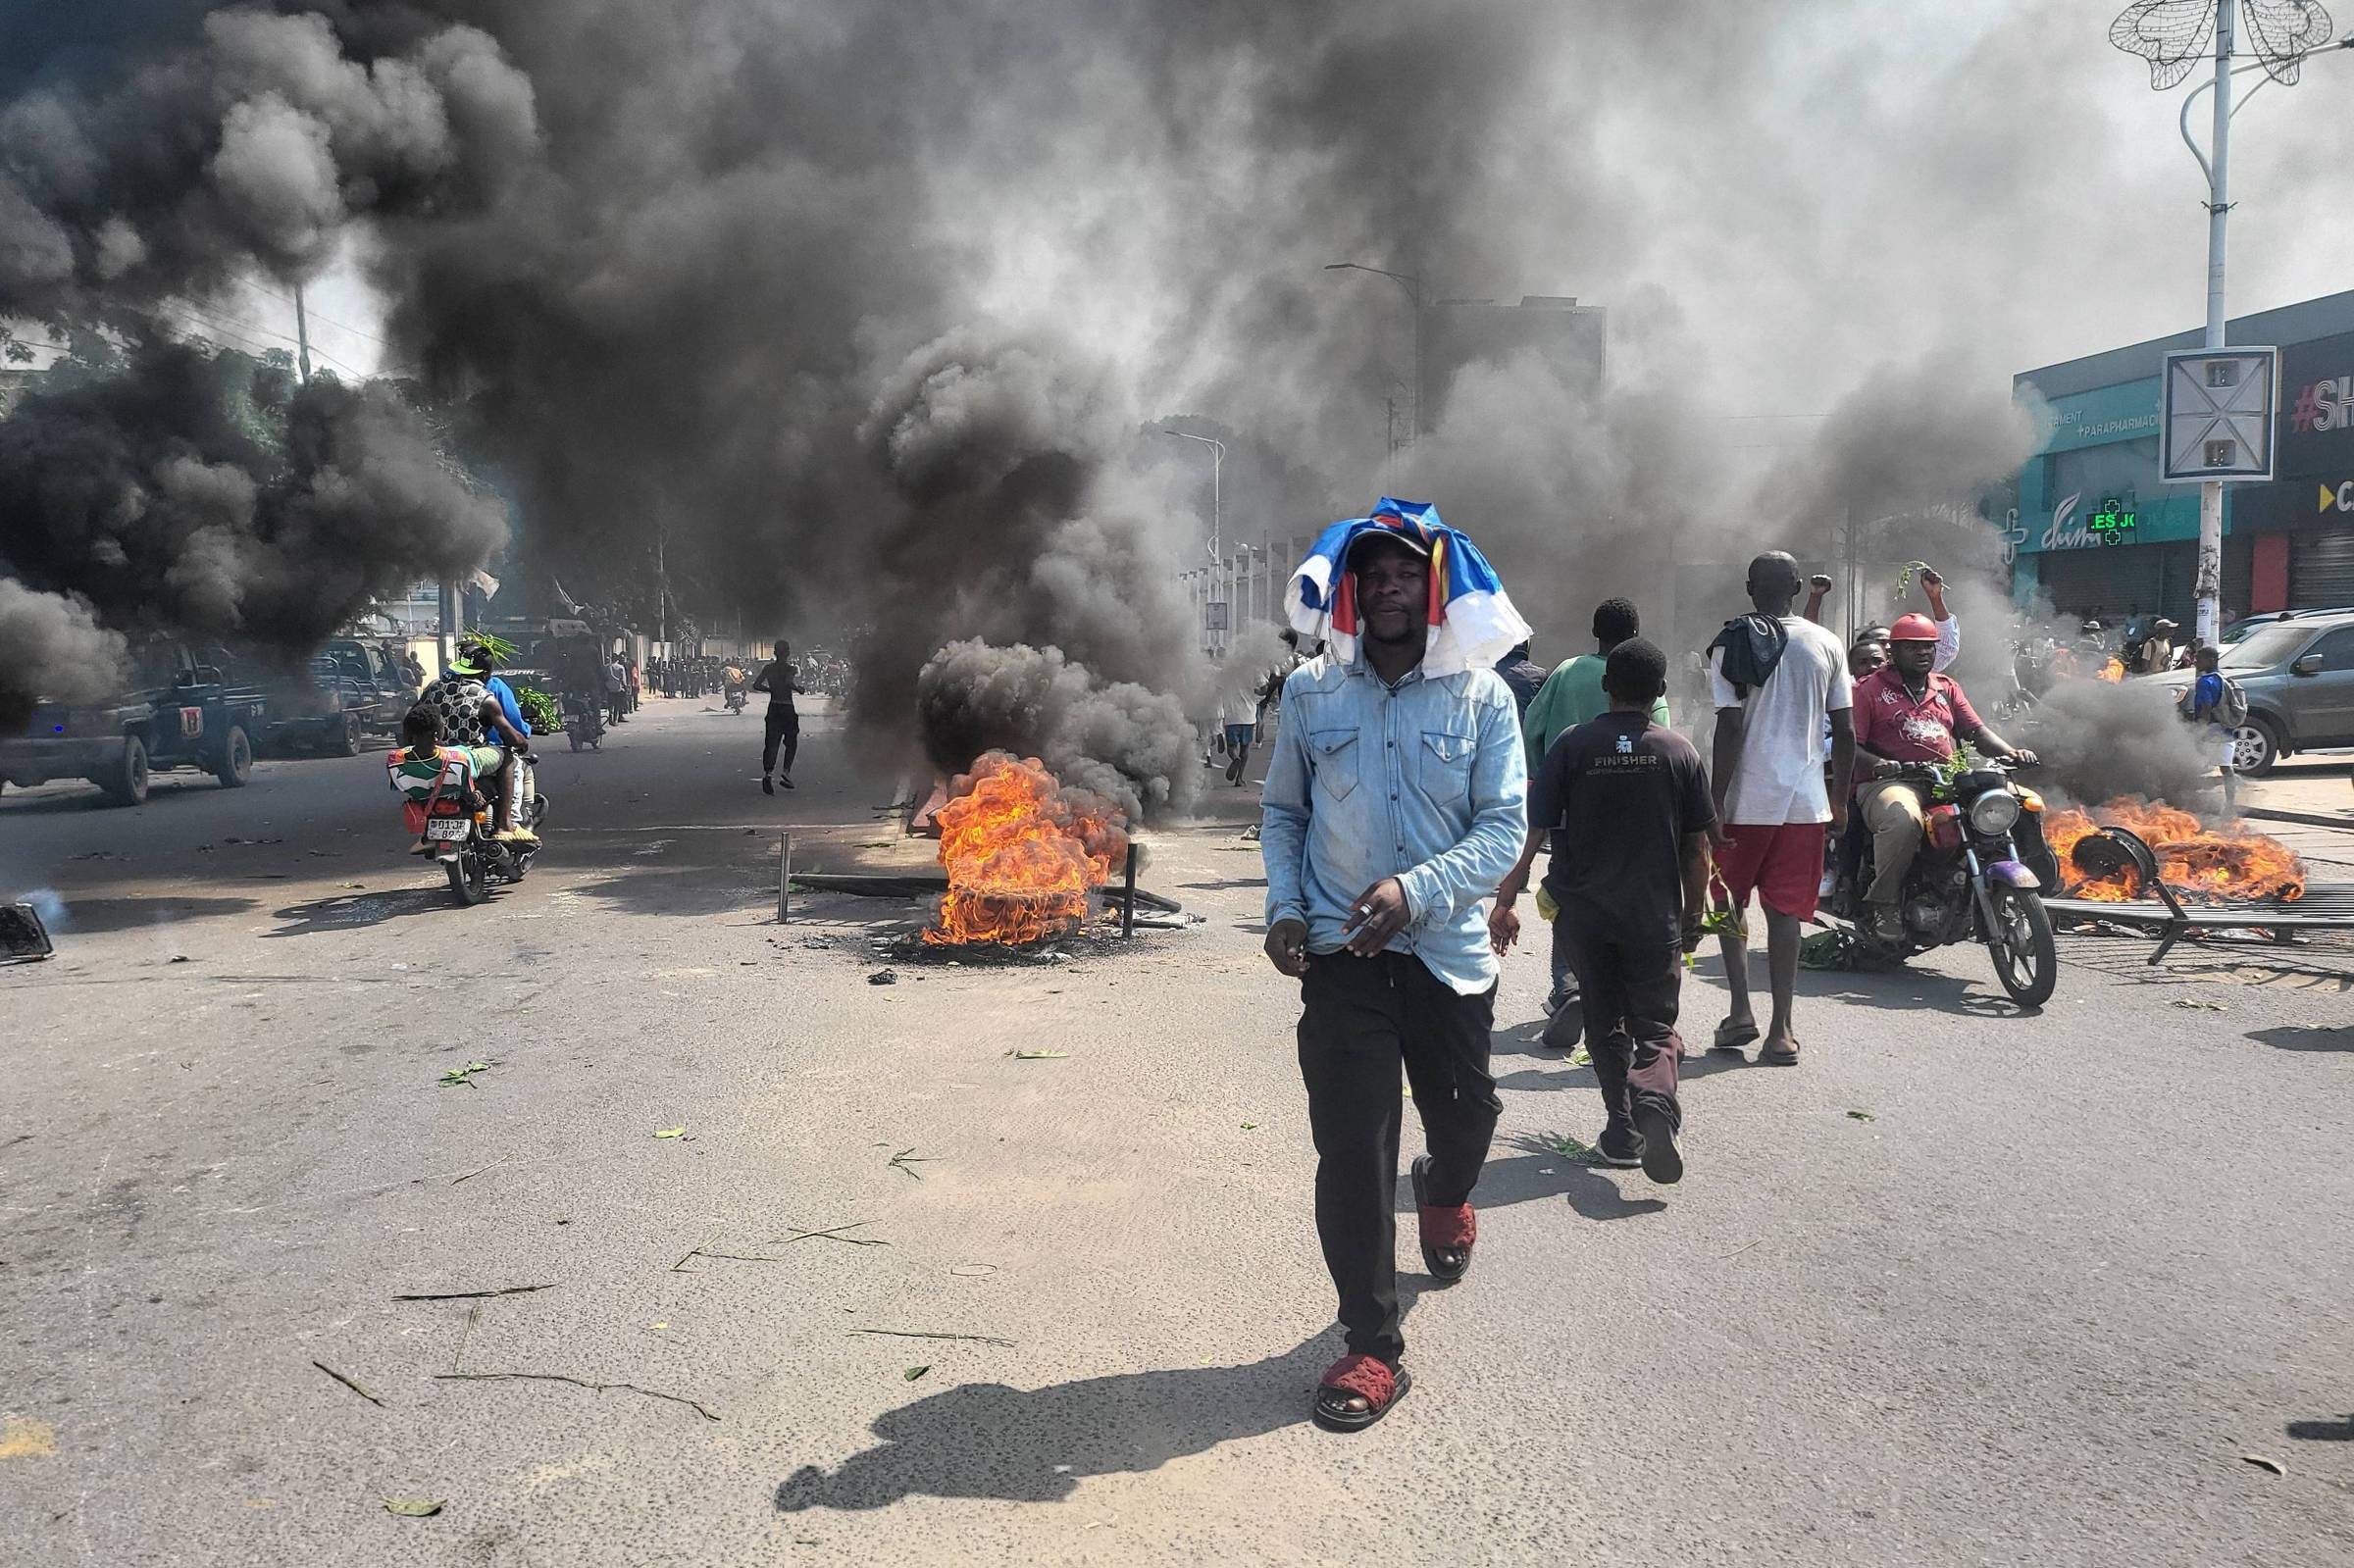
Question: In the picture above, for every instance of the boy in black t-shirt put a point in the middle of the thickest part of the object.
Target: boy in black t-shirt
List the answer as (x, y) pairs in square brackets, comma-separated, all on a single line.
[(1626, 803)]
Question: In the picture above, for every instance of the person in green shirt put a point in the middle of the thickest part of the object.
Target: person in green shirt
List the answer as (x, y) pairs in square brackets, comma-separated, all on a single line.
[(1573, 694)]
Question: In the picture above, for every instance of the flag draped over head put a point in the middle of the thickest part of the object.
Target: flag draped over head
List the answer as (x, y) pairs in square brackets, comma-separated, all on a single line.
[(1472, 621)]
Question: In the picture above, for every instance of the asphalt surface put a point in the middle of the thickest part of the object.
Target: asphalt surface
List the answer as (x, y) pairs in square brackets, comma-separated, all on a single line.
[(1965, 1287)]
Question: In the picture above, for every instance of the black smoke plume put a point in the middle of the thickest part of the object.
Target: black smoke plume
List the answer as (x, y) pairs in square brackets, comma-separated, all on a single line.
[(174, 494)]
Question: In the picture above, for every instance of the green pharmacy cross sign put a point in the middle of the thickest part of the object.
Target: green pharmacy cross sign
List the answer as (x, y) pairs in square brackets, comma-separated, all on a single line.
[(2114, 522)]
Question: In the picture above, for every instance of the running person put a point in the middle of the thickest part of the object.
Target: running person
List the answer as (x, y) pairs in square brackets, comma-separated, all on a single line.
[(782, 738)]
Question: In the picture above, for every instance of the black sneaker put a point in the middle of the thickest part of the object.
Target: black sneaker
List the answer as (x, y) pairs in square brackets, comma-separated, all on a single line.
[(766, 788), (785, 780), (1620, 1148), (1565, 1029), (1662, 1161)]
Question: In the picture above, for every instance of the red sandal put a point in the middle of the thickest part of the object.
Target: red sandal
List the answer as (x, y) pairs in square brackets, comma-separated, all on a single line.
[(1447, 1231), (1358, 1377)]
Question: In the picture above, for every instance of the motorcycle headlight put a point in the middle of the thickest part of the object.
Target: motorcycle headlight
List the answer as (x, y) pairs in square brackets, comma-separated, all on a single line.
[(1993, 812)]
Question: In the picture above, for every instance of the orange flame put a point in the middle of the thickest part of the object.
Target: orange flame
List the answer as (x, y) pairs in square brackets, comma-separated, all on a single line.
[(1022, 854), (2226, 862)]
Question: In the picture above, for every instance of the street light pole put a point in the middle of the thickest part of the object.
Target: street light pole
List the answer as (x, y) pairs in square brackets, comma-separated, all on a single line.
[(1413, 284), (1217, 486), (2209, 580)]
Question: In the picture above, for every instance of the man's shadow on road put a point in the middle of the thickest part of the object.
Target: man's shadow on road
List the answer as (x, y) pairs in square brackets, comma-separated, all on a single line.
[(987, 1440)]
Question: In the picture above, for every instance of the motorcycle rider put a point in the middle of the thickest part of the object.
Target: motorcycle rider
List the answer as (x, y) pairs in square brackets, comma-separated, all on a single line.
[(474, 708), (421, 767), (1907, 713)]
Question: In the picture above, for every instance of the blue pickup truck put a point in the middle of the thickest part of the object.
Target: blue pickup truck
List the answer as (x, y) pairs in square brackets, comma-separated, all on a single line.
[(178, 712)]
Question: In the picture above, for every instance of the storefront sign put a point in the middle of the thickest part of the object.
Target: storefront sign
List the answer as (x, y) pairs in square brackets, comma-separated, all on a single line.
[(2113, 523)]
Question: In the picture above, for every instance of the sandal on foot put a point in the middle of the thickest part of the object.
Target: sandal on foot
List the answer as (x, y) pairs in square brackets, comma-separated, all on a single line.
[(1447, 1233), (1358, 1377), (1785, 1057), (1732, 1037)]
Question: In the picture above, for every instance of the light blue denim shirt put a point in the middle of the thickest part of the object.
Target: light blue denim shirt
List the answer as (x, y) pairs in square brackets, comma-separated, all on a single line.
[(1425, 781)]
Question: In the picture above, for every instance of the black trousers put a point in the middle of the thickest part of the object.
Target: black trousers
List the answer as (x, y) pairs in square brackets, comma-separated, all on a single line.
[(783, 728), (1359, 1019), (1632, 991)]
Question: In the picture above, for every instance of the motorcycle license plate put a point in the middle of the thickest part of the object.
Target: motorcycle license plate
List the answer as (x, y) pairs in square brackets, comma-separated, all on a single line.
[(446, 828)]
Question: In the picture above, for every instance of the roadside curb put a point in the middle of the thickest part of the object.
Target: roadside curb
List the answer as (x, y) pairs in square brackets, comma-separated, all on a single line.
[(2309, 819)]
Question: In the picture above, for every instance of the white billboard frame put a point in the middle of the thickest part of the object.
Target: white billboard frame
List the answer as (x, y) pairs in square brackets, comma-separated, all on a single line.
[(2197, 413)]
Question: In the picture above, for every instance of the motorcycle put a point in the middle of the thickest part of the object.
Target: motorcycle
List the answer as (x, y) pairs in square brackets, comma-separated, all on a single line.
[(458, 825), (1980, 876), (734, 699), (583, 720)]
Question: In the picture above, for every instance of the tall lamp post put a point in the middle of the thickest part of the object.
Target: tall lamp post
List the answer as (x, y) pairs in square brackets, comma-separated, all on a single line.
[(1413, 284), (2172, 36), (1217, 486)]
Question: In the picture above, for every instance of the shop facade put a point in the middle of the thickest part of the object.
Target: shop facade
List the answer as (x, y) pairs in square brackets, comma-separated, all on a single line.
[(2096, 534)]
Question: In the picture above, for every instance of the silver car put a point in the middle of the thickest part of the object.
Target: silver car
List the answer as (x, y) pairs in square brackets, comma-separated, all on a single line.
[(2299, 678)]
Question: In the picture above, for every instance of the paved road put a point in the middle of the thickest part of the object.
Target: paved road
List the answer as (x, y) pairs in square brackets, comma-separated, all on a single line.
[(2031, 1306)]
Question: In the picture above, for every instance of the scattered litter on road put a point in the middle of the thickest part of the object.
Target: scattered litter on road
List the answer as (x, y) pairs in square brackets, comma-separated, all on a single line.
[(2193, 1005), (2262, 1463), (884, 977), (578, 1383), (973, 1270), (472, 1295), (918, 1334), (413, 1507), (1569, 1148), (1861, 1116), (1037, 1056), (906, 1160), (464, 1075), (669, 1132), (913, 1373), (1249, 1126), (178, 958), (348, 1383)]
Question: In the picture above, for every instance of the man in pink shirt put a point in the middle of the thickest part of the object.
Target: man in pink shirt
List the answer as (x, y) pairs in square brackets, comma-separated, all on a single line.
[(1906, 713)]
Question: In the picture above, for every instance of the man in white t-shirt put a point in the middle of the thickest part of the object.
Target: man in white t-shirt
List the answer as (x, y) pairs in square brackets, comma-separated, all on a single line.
[(1776, 679)]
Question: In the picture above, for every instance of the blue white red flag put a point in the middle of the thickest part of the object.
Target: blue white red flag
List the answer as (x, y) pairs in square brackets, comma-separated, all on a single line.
[(1472, 621)]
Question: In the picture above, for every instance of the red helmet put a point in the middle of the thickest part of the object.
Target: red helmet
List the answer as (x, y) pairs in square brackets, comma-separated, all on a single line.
[(1914, 627)]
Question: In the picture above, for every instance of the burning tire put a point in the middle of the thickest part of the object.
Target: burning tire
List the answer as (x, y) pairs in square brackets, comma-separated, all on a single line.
[(2027, 961), (2255, 750)]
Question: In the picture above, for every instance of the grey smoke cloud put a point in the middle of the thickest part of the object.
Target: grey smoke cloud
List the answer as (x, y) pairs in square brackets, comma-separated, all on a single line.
[(685, 261), (52, 646)]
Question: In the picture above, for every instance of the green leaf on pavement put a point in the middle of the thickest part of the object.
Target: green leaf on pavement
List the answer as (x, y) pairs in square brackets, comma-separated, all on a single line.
[(1249, 1126), (1037, 1056), (913, 1373), (413, 1507), (1569, 1148), (669, 1132), (1861, 1116), (464, 1075)]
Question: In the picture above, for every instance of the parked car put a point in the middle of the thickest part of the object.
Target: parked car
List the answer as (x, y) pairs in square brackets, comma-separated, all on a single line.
[(2240, 628), (181, 711), (2299, 676), (349, 690)]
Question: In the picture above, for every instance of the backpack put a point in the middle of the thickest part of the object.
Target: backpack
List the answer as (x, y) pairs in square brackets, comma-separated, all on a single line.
[(2231, 709), (1753, 645)]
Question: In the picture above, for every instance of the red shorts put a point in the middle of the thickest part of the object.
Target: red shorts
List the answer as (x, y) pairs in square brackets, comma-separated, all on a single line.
[(1783, 864)]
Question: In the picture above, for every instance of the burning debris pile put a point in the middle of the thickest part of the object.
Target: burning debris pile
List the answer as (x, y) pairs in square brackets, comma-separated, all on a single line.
[(2224, 864), (1023, 854)]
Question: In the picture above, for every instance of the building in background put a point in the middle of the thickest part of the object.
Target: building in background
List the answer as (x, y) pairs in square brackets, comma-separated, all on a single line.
[(2095, 534), (1458, 333)]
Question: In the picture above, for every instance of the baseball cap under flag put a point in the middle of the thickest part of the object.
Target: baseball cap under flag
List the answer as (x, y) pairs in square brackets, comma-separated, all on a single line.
[(1472, 621)]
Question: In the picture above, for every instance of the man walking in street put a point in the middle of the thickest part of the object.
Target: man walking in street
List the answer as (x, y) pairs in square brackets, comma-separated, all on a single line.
[(617, 687), (1572, 695), (782, 734), (1393, 805), (1776, 678), (1626, 803)]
